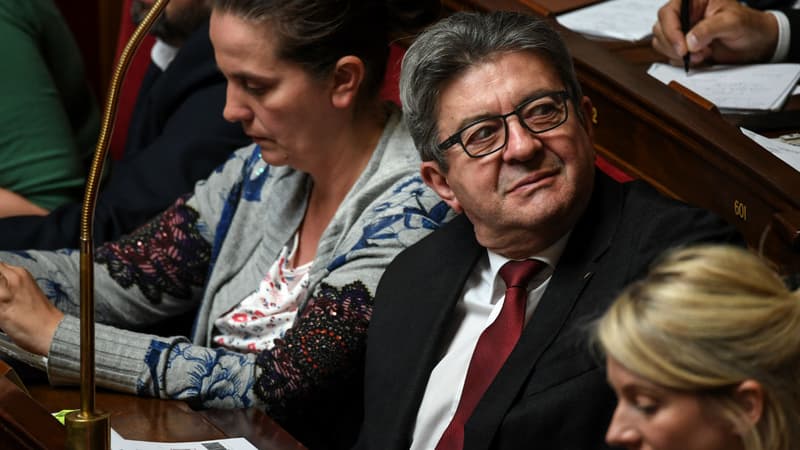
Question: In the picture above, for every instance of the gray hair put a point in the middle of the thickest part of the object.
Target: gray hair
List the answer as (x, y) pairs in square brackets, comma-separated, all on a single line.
[(456, 43)]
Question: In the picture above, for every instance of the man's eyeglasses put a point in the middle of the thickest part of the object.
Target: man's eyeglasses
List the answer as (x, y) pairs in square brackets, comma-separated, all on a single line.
[(488, 135)]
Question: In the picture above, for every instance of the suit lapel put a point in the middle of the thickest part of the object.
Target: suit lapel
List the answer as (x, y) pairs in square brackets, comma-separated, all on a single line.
[(588, 242), (431, 299)]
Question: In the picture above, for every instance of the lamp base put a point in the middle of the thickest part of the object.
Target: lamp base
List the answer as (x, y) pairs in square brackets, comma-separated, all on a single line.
[(88, 432)]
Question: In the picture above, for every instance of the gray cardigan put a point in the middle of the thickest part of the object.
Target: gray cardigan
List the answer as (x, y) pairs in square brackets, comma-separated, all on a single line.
[(209, 251)]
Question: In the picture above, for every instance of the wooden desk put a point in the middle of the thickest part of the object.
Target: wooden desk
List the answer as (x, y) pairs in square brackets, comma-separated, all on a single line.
[(171, 420), (656, 134)]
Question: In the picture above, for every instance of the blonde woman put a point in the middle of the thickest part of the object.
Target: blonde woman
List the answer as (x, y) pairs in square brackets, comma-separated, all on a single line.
[(704, 353)]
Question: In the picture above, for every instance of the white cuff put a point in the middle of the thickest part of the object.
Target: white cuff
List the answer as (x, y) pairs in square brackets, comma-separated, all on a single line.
[(784, 34), (162, 54)]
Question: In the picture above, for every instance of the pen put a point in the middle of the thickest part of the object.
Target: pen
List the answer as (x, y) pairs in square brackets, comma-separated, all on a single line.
[(686, 7)]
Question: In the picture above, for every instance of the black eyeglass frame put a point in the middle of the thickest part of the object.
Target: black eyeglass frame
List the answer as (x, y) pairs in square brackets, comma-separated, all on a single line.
[(456, 137)]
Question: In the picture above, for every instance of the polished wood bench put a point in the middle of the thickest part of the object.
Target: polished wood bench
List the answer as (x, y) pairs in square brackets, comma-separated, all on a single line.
[(151, 419)]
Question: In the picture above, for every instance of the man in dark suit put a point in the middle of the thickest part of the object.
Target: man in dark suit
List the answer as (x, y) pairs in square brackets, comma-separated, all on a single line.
[(176, 137), (505, 134)]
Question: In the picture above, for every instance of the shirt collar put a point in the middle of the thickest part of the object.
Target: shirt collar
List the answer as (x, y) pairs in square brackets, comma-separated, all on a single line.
[(550, 255), (162, 54)]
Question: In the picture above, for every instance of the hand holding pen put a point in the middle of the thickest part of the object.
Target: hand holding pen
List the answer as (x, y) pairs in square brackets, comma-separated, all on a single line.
[(714, 31), (686, 25)]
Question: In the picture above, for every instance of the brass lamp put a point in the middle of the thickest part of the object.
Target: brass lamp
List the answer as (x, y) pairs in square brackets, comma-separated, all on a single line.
[(87, 428)]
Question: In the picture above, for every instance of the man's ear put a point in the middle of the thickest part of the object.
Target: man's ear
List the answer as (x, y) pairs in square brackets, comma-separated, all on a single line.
[(750, 396), (589, 116), (348, 74), (436, 178)]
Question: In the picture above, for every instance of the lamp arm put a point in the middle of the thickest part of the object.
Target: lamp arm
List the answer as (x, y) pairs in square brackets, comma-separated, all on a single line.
[(87, 428)]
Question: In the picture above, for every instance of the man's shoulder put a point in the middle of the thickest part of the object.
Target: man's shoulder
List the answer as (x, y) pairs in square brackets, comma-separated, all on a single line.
[(194, 64), (642, 202), (634, 218), (638, 191), (197, 45), (650, 221)]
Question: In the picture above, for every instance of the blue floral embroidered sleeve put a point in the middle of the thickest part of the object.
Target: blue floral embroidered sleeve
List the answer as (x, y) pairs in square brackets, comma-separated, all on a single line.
[(205, 376)]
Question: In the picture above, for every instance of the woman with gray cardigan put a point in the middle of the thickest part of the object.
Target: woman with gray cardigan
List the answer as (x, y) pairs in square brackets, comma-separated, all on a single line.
[(278, 252)]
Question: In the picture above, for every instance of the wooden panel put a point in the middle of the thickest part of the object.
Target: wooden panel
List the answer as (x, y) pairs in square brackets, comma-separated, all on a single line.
[(95, 25), (109, 15)]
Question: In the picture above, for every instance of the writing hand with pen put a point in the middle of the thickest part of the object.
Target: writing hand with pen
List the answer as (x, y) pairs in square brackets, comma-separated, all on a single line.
[(719, 31)]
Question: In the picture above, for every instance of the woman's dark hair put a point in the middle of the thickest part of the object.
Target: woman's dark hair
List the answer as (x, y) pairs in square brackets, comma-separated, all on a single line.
[(316, 33)]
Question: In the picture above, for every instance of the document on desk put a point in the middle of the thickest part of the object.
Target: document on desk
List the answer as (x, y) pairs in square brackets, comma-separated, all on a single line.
[(120, 443), (788, 153), (753, 87), (627, 20)]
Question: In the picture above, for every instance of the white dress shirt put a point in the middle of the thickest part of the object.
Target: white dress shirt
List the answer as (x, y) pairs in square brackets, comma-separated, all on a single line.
[(480, 303), (162, 54)]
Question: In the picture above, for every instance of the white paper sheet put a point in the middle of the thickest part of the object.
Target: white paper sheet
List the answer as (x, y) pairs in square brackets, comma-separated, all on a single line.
[(627, 20), (120, 443), (788, 153), (754, 87)]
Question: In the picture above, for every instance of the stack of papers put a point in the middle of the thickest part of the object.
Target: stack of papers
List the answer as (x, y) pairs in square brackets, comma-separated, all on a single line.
[(628, 20), (788, 153), (755, 87)]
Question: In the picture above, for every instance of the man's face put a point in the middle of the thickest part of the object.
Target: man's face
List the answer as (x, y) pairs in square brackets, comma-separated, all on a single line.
[(178, 20), (522, 198)]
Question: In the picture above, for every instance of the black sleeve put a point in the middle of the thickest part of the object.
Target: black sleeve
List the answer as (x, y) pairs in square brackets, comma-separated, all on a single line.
[(659, 224), (194, 141), (794, 26), (769, 4)]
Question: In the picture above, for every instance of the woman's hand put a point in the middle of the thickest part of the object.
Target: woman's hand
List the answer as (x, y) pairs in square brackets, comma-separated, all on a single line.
[(26, 314)]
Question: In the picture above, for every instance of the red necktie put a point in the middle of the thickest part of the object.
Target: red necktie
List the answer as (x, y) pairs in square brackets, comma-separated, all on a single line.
[(493, 347)]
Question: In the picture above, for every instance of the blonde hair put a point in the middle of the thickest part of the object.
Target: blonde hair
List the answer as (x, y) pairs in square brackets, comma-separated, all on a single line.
[(705, 319)]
